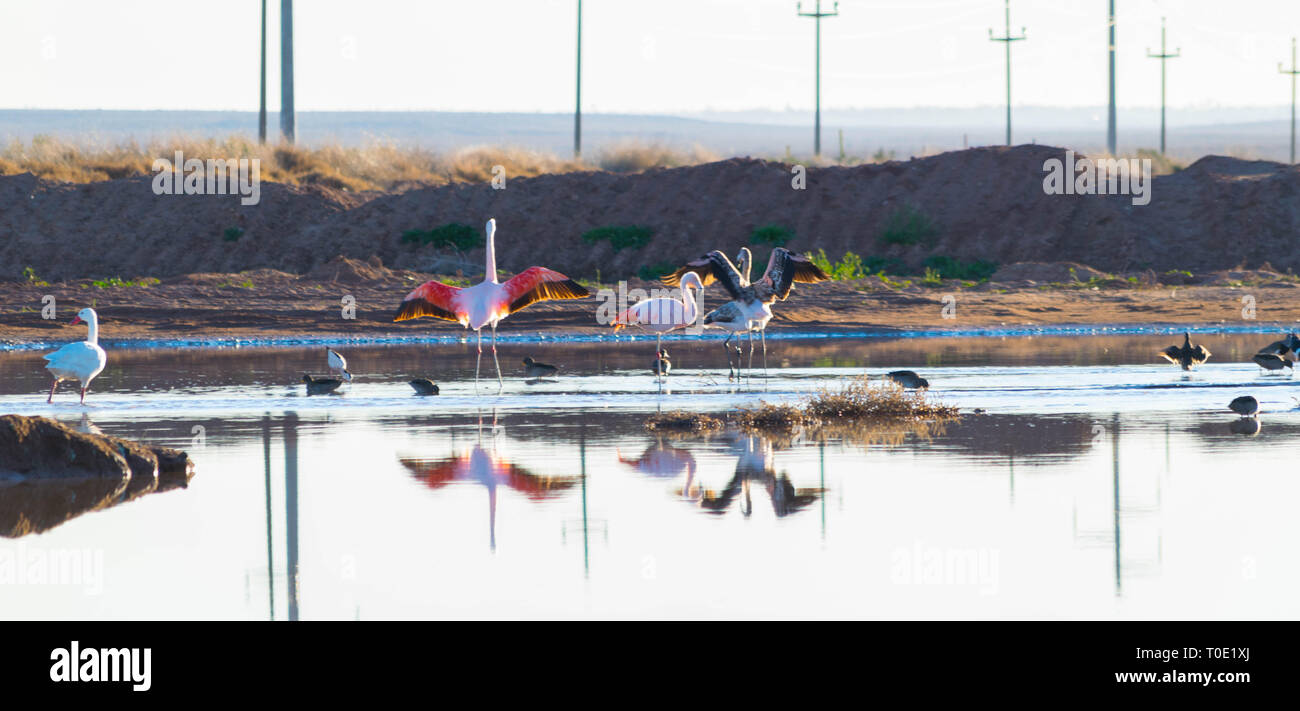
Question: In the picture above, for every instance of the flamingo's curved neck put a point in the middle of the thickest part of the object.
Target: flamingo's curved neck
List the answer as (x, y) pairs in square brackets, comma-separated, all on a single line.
[(745, 259), (688, 303), (92, 329), (491, 252)]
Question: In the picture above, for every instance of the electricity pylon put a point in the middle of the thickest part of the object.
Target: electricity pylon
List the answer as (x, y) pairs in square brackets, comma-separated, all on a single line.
[(1293, 71), (1162, 57), (577, 107), (1007, 39), (817, 16), (1110, 113)]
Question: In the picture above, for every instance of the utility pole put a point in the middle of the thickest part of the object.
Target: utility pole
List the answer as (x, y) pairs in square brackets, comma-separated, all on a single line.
[(1007, 39), (817, 16), (1293, 71), (261, 106), (577, 108), (1162, 57), (286, 70), (1110, 114)]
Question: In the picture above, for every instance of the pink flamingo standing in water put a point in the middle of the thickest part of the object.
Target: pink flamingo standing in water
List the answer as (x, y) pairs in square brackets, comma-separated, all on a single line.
[(488, 301)]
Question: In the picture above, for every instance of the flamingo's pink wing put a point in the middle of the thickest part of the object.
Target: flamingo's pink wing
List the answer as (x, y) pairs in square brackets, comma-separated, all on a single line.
[(436, 473), (432, 298), (540, 284), (535, 486)]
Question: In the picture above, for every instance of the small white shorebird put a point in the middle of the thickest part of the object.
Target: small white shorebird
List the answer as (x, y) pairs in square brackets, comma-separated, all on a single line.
[(488, 301), (661, 315), (750, 309), (338, 364), (78, 361)]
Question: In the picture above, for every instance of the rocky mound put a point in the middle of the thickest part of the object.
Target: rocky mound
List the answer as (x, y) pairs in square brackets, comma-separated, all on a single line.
[(50, 473)]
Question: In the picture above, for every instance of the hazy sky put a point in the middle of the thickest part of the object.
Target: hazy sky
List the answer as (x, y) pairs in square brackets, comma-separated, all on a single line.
[(651, 57)]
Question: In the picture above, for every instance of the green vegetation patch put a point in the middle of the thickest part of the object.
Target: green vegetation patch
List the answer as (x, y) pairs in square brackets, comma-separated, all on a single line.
[(946, 267), (453, 235), (908, 225), (771, 233), (116, 282), (620, 237)]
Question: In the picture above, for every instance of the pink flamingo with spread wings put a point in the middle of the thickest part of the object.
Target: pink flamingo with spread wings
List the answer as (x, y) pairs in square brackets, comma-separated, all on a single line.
[(488, 301)]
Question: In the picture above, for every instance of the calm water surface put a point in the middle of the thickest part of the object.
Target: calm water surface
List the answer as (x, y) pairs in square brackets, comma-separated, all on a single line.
[(1098, 483)]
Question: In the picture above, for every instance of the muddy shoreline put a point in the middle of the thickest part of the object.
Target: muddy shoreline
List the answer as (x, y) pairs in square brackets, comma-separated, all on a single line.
[(269, 307)]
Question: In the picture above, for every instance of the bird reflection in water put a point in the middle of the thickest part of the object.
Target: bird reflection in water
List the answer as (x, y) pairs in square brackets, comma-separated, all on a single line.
[(755, 465), (484, 465), (1248, 426), (662, 461)]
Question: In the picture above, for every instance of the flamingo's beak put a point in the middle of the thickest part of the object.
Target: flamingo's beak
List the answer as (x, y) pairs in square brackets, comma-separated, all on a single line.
[(75, 320)]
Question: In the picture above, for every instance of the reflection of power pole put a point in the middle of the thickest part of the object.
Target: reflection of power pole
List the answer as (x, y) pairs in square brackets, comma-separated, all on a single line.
[(1162, 57), (261, 106), (270, 548), (586, 521), (577, 109), (1110, 114), (821, 454), (1007, 39), (582, 455), (817, 16), (286, 70), (1293, 71), (1115, 478), (291, 509)]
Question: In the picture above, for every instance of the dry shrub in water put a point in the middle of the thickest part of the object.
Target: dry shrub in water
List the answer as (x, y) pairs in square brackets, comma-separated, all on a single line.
[(767, 417), (858, 399), (682, 421)]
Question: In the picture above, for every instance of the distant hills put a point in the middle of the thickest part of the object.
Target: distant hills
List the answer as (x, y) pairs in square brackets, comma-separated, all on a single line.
[(1259, 132)]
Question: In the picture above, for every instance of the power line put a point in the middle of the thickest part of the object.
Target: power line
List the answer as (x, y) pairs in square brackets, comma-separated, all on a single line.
[(817, 16), (1162, 57), (1293, 71), (1007, 39)]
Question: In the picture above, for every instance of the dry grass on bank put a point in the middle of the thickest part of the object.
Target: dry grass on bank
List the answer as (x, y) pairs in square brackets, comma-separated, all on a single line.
[(375, 166)]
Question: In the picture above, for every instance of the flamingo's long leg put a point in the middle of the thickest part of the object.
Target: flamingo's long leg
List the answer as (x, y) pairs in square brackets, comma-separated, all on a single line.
[(83, 394), (53, 385), (763, 337), (478, 361), (749, 368), (726, 346), (659, 376), (500, 383)]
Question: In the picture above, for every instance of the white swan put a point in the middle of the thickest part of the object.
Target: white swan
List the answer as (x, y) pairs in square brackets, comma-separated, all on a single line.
[(78, 361)]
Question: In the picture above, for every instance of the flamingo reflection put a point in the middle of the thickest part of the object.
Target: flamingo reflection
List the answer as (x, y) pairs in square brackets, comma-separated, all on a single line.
[(755, 464), (662, 460), (491, 470)]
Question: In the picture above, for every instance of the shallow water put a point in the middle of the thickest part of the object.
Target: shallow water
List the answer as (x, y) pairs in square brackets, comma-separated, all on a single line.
[(1099, 483)]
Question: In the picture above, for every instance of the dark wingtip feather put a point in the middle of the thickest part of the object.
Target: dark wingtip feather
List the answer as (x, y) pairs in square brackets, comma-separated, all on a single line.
[(567, 289), (419, 308)]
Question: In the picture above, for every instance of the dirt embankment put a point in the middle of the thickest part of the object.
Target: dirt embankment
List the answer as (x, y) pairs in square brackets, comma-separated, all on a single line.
[(272, 304), (985, 203)]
